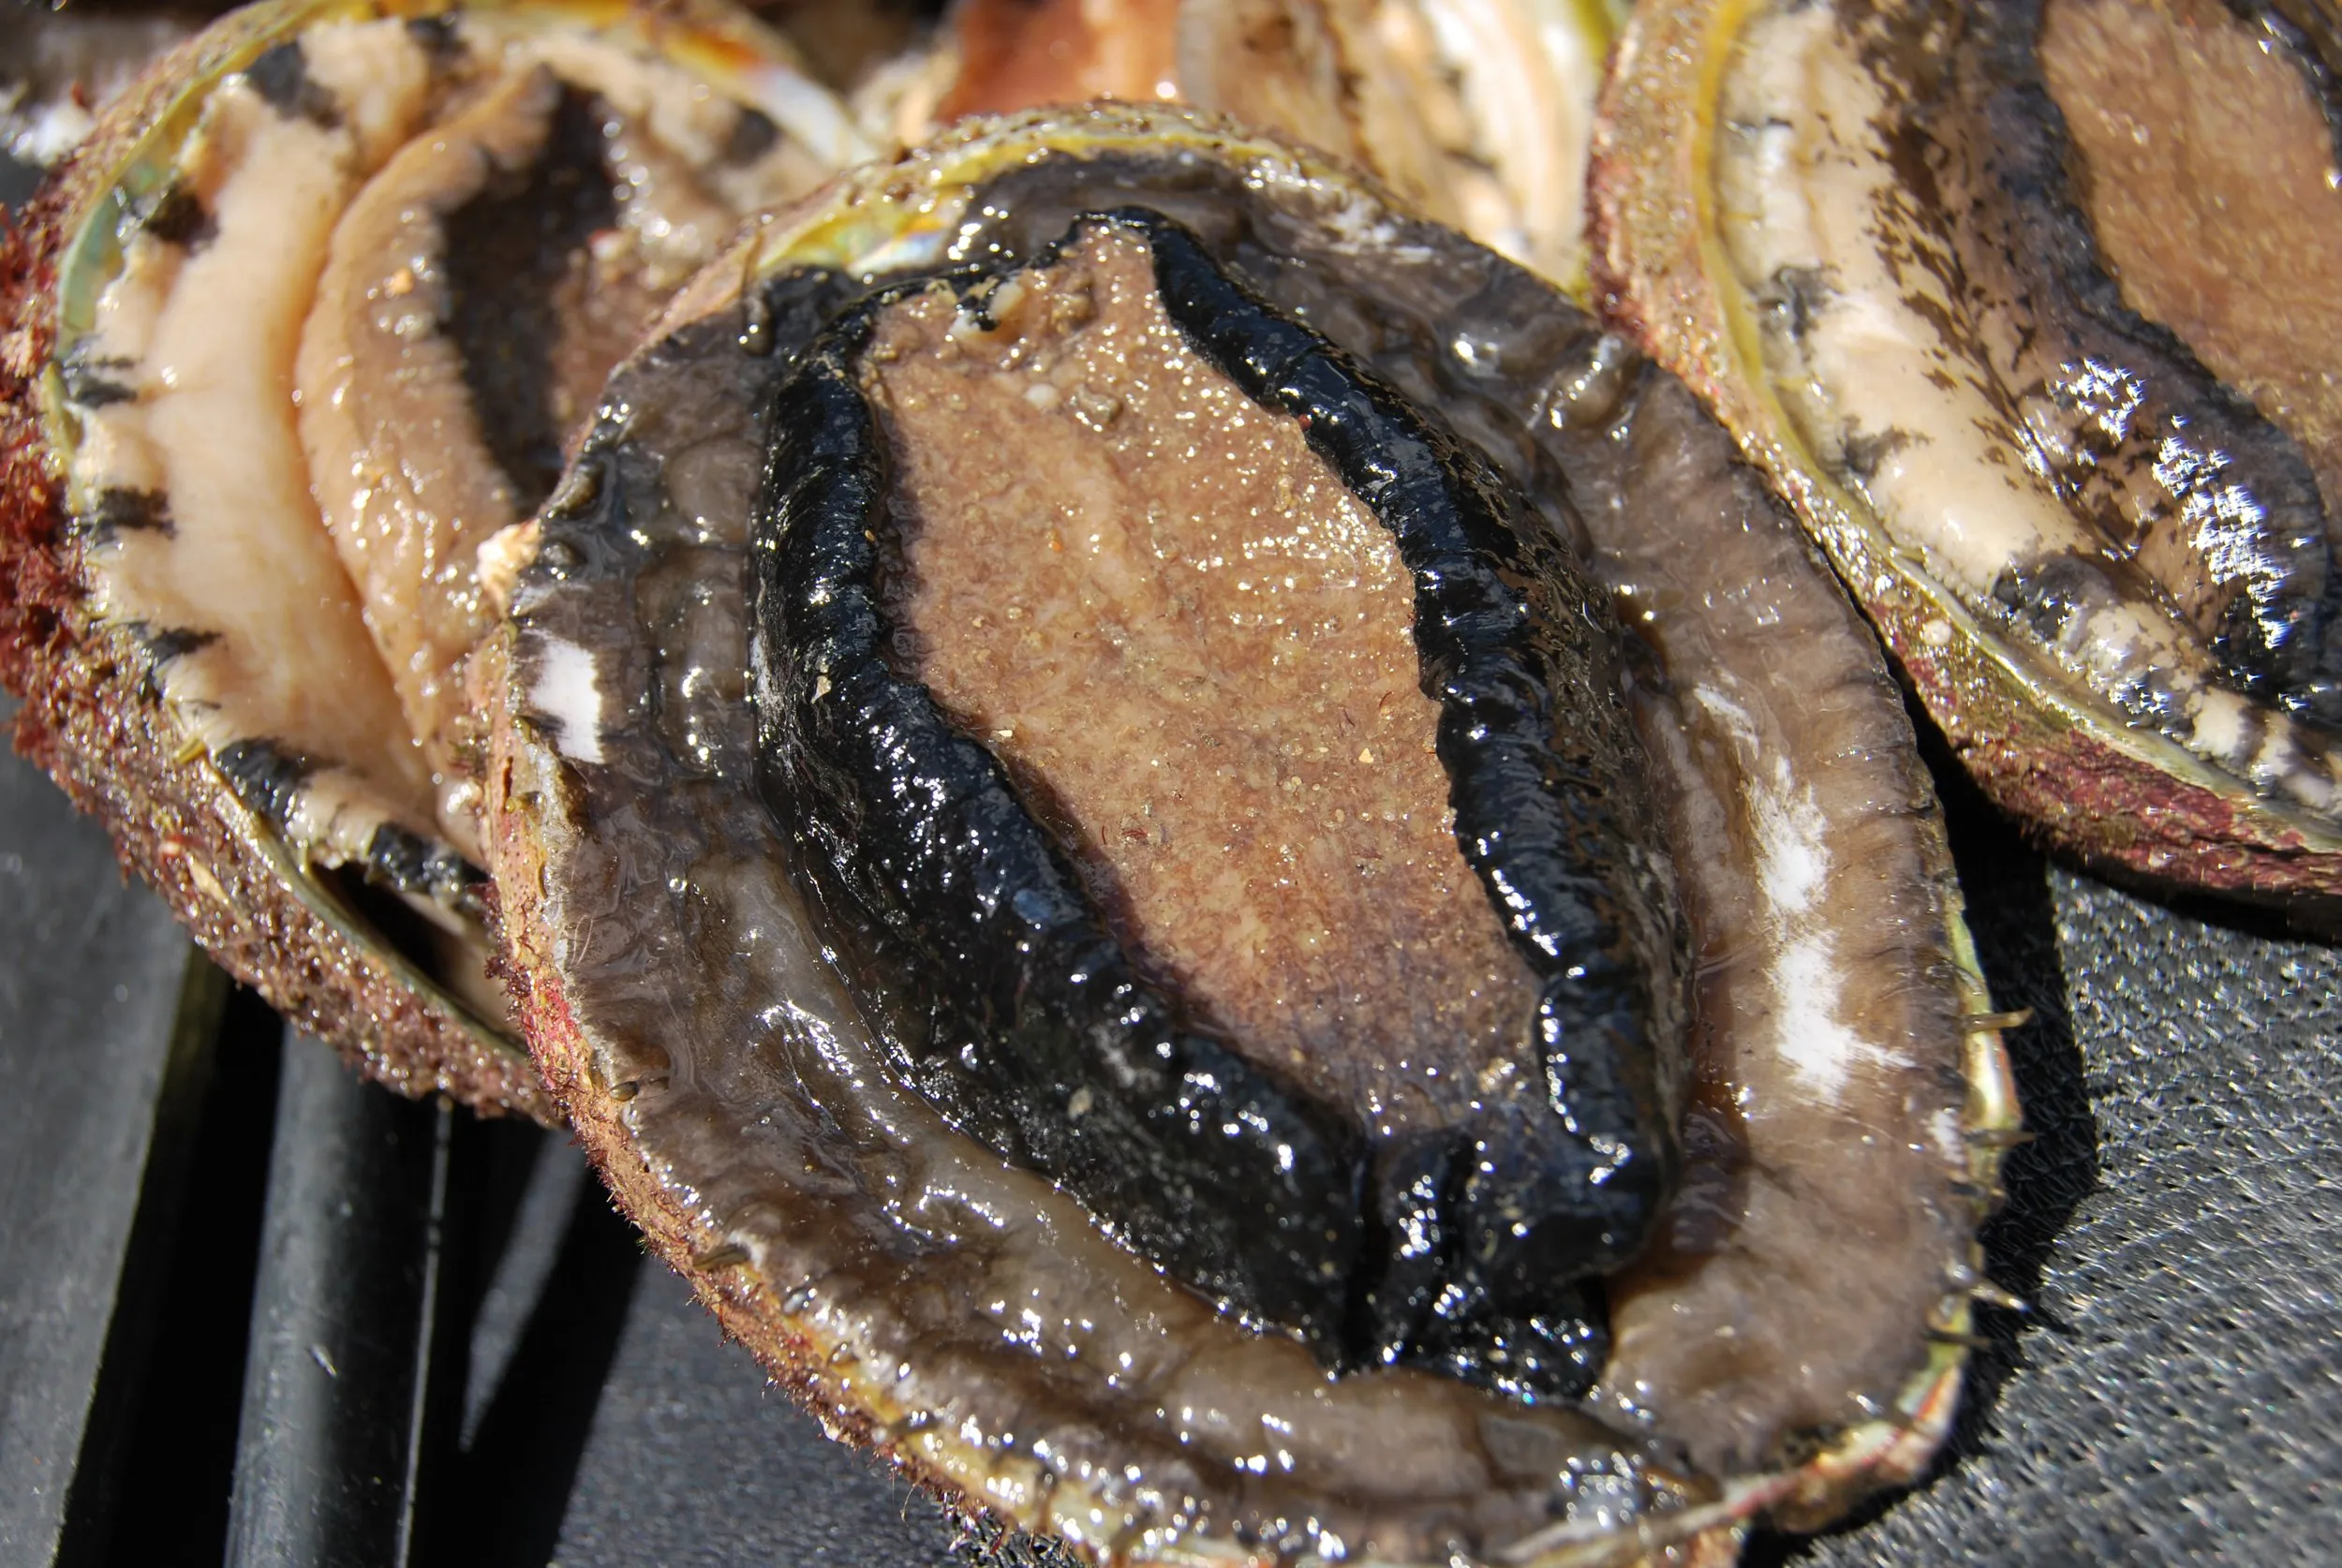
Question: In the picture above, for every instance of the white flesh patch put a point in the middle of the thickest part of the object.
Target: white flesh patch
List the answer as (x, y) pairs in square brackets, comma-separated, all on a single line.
[(1781, 818), (1794, 869), (1529, 75), (569, 694), (1807, 199)]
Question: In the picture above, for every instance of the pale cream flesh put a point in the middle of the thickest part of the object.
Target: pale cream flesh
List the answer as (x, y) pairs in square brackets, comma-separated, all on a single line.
[(278, 475)]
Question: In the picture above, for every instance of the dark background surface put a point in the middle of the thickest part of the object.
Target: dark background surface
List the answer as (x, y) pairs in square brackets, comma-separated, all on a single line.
[(252, 1311)]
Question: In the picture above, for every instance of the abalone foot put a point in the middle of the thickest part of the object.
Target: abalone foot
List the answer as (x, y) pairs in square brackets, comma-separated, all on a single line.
[(291, 768), (91, 717)]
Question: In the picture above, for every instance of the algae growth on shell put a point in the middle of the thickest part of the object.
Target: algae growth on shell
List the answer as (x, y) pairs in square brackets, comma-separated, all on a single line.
[(774, 1129)]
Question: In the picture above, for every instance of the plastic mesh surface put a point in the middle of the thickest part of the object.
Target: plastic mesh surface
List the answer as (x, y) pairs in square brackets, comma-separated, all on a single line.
[(2177, 1395)]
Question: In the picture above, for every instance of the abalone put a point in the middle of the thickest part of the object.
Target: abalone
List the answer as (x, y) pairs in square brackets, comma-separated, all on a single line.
[(2035, 337), (914, 981), (1558, 1136), (294, 335)]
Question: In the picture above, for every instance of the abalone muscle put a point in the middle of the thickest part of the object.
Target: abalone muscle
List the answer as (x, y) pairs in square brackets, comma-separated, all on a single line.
[(1039, 627), (2028, 308), (297, 334)]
